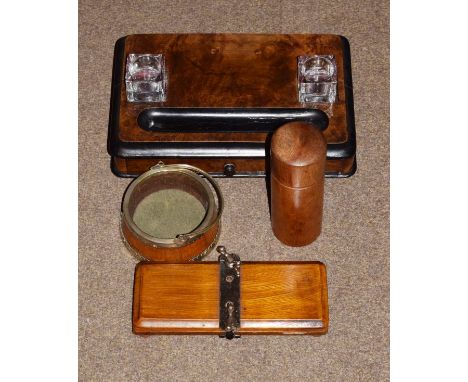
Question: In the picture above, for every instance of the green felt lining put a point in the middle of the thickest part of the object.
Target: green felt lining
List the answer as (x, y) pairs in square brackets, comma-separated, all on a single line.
[(167, 213)]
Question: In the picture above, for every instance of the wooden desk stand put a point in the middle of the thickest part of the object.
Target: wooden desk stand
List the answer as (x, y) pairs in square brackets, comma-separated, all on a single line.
[(275, 298), (226, 71)]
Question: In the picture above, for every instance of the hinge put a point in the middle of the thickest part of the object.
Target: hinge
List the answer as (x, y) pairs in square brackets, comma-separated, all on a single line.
[(229, 296)]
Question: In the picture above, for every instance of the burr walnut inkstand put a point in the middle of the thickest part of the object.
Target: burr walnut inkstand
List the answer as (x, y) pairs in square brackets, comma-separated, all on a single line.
[(213, 100)]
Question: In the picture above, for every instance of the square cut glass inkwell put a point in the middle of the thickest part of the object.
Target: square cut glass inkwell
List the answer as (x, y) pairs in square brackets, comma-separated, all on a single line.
[(145, 78), (316, 79)]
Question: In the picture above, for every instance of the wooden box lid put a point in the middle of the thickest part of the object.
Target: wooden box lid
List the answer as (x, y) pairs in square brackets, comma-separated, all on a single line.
[(276, 298)]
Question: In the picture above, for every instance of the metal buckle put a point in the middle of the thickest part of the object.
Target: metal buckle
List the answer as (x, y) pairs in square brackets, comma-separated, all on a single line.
[(229, 297)]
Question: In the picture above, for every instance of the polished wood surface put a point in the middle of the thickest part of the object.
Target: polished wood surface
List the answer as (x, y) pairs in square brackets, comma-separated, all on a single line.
[(171, 255), (231, 70), (297, 160), (276, 298), (254, 166)]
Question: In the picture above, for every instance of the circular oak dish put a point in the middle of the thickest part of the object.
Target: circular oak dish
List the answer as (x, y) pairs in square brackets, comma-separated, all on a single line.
[(171, 213)]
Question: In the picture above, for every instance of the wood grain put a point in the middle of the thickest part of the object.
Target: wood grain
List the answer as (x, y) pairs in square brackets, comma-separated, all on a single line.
[(298, 154), (276, 298), (172, 255), (232, 70)]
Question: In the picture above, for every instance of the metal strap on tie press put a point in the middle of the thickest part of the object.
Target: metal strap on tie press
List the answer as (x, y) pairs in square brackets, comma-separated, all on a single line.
[(229, 296)]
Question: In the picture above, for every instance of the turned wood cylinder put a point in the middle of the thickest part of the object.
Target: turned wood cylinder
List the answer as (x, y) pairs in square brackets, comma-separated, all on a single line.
[(298, 153)]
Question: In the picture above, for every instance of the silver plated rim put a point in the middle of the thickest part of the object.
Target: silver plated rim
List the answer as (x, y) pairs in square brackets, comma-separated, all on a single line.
[(211, 217)]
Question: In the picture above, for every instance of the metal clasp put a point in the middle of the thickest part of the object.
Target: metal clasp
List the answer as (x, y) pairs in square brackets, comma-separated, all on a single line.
[(158, 165), (229, 296)]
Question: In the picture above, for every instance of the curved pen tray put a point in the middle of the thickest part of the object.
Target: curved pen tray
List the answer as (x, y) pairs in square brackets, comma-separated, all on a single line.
[(227, 120)]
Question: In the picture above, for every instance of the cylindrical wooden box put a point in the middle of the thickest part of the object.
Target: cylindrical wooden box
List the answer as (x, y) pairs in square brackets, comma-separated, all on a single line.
[(165, 230), (298, 154)]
